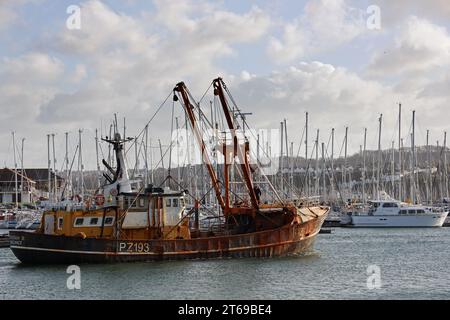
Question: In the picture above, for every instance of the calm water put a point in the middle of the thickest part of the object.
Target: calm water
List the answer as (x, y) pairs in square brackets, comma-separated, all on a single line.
[(414, 264)]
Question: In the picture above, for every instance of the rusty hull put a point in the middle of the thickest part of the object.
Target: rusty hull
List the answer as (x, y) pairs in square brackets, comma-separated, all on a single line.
[(292, 238)]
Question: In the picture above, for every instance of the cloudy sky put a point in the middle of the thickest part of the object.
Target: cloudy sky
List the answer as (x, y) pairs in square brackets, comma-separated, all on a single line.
[(280, 59)]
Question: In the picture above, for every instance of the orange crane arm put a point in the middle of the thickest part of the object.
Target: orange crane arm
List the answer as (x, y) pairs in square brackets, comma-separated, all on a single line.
[(182, 89)]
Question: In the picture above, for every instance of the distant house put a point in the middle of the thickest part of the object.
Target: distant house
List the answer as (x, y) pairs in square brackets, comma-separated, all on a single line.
[(35, 185)]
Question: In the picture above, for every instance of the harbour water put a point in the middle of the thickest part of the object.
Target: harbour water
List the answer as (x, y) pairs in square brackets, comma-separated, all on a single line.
[(413, 264)]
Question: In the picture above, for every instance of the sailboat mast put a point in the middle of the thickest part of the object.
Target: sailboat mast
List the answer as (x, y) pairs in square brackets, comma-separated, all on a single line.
[(344, 169), (306, 157), (281, 157), (49, 177), (22, 171), (80, 160), (364, 166), (146, 156), (286, 141), (380, 120), (445, 167), (324, 191), (98, 162), (332, 164), (15, 172), (428, 188), (393, 169), (316, 173), (413, 159), (400, 159), (291, 177), (55, 192), (66, 158)]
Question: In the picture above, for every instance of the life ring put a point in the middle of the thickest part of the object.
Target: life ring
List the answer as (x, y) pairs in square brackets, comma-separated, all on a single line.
[(99, 199)]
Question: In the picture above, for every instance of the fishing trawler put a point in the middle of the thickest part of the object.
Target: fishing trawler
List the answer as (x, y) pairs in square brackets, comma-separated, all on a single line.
[(120, 224)]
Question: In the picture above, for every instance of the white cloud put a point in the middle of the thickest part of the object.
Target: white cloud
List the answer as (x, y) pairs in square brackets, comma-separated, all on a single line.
[(419, 46), (127, 57), (8, 12), (393, 12), (7, 16), (334, 97), (125, 64), (324, 25), (25, 83)]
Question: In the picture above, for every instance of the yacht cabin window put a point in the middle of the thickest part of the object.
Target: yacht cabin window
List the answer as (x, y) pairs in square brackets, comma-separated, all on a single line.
[(175, 202), (168, 202), (390, 205)]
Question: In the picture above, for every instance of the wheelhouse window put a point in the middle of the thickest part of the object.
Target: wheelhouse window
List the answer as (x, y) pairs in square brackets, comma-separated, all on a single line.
[(421, 211), (175, 202), (79, 221), (93, 221), (403, 211), (60, 223), (141, 202), (412, 211), (168, 202), (109, 221)]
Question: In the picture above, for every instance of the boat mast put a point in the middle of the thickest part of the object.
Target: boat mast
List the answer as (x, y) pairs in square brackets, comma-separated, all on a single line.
[(306, 158), (393, 169), (22, 172), (66, 158), (364, 167), (98, 163), (316, 173), (291, 177), (15, 172), (323, 173), (287, 149), (400, 160), (80, 161), (49, 177), (445, 167), (281, 157), (439, 191), (332, 164), (178, 151), (344, 169), (55, 186), (428, 184), (413, 159), (380, 120), (146, 155), (402, 166), (136, 158)]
